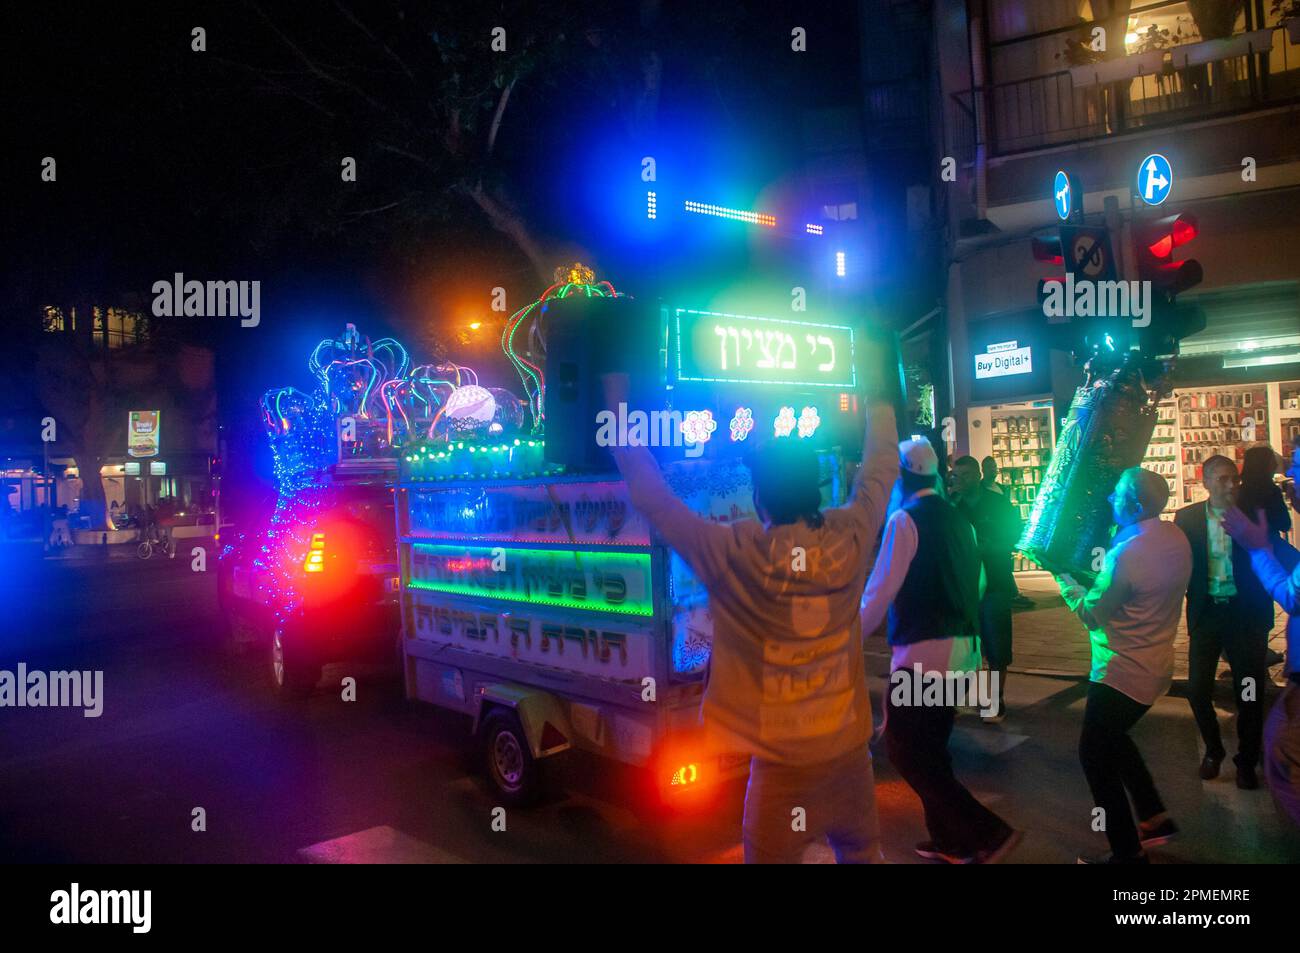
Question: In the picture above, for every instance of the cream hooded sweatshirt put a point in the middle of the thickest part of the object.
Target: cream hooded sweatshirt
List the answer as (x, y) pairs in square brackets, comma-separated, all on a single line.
[(786, 681)]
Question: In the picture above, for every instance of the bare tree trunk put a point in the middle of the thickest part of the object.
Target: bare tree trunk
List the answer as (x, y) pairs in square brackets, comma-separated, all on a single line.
[(94, 501), (503, 217)]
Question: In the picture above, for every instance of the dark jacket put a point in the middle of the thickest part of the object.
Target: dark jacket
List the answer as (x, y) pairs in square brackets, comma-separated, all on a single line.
[(997, 530), (1254, 605), (940, 595)]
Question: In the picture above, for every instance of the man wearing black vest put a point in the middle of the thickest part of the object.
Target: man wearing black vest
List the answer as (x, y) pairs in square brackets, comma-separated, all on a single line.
[(1228, 612), (928, 578)]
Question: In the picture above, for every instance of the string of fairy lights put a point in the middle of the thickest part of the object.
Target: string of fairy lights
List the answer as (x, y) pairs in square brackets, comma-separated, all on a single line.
[(576, 278), (425, 407)]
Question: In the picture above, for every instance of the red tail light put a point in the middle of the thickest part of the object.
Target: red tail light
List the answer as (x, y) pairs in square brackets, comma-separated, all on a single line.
[(686, 774), (315, 561)]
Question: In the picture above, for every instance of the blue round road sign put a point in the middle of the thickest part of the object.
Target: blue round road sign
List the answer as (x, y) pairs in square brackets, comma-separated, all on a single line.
[(1155, 179), (1062, 195)]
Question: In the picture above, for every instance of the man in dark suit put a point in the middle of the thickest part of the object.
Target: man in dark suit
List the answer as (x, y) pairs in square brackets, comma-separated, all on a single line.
[(1228, 612)]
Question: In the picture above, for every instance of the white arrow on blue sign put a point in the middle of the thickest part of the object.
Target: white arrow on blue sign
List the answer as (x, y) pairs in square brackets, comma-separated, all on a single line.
[(1155, 179), (1062, 196)]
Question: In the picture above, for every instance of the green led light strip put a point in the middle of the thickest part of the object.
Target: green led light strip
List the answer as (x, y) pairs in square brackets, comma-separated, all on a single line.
[(526, 565)]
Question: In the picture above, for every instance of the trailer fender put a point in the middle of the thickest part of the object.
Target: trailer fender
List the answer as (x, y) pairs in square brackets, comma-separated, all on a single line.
[(544, 719)]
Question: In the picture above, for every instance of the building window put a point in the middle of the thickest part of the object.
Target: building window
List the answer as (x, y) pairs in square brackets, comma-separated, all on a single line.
[(53, 320), (116, 327)]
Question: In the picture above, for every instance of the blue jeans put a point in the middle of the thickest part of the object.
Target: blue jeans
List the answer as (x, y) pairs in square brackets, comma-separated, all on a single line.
[(838, 802)]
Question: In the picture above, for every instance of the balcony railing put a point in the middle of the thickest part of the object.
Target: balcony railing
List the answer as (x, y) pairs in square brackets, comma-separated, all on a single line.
[(1082, 103)]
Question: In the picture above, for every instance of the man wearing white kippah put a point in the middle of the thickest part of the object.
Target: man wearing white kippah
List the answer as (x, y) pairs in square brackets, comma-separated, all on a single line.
[(928, 578)]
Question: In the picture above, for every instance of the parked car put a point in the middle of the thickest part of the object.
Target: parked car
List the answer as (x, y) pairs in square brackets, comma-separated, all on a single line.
[(314, 583)]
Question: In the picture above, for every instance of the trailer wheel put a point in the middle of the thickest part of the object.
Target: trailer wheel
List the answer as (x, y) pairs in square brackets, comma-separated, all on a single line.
[(511, 767), (292, 676)]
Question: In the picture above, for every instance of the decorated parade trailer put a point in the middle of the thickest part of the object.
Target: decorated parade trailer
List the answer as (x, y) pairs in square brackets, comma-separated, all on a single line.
[(535, 598), (314, 581)]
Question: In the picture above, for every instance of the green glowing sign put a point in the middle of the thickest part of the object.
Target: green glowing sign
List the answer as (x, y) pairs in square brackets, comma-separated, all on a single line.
[(744, 349), (594, 580)]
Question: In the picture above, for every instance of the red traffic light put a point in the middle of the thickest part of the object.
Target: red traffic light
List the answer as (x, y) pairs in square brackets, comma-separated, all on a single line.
[(1162, 236), (1048, 250), (1156, 241)]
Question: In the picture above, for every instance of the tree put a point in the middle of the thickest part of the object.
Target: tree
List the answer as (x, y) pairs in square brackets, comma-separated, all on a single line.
[(404, 88), (419, 97)]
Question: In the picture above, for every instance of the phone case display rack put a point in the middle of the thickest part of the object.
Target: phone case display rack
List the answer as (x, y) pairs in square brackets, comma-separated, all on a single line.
[(1022, 446)]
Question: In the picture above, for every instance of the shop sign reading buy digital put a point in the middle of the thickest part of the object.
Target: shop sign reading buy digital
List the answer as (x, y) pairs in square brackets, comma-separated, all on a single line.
[(1003, 360)]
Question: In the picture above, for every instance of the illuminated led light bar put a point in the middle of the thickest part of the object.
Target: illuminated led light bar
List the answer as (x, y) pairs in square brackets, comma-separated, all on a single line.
[(595, 580), (813, 229), (739, 215), (651, 205), (839, 264)]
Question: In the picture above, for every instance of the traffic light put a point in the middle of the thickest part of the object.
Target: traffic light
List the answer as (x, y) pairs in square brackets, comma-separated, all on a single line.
[(1047, 250), (1156, 241)]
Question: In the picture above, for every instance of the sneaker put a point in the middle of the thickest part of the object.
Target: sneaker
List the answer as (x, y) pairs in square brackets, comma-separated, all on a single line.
[(1138, 858), (930, 851), (1022, 602), (1159, 830), (994, 855)]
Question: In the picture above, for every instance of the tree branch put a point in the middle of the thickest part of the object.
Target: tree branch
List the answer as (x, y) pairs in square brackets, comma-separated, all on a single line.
[(316, 70), (374, 39), (496, 116), (510, 223)]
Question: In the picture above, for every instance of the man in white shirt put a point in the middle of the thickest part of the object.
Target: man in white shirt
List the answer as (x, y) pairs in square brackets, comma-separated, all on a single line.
[(1132, 614), (928, 578)]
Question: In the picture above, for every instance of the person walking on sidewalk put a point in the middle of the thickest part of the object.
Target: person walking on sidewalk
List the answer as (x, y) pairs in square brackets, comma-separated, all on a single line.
[(1282, 732), (1131, 613), (787, 681), (989, 480), (1228, 612), (997, 528), (928, 578)]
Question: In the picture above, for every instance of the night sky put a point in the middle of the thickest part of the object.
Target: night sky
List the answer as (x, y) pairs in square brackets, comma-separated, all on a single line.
[(226, 163)]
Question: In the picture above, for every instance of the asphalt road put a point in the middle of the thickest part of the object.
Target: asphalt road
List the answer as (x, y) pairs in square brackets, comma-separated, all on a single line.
[(186, 724)]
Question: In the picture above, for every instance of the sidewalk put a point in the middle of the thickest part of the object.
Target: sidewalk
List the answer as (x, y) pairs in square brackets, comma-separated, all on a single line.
[(83, 553), (1050, 641)]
